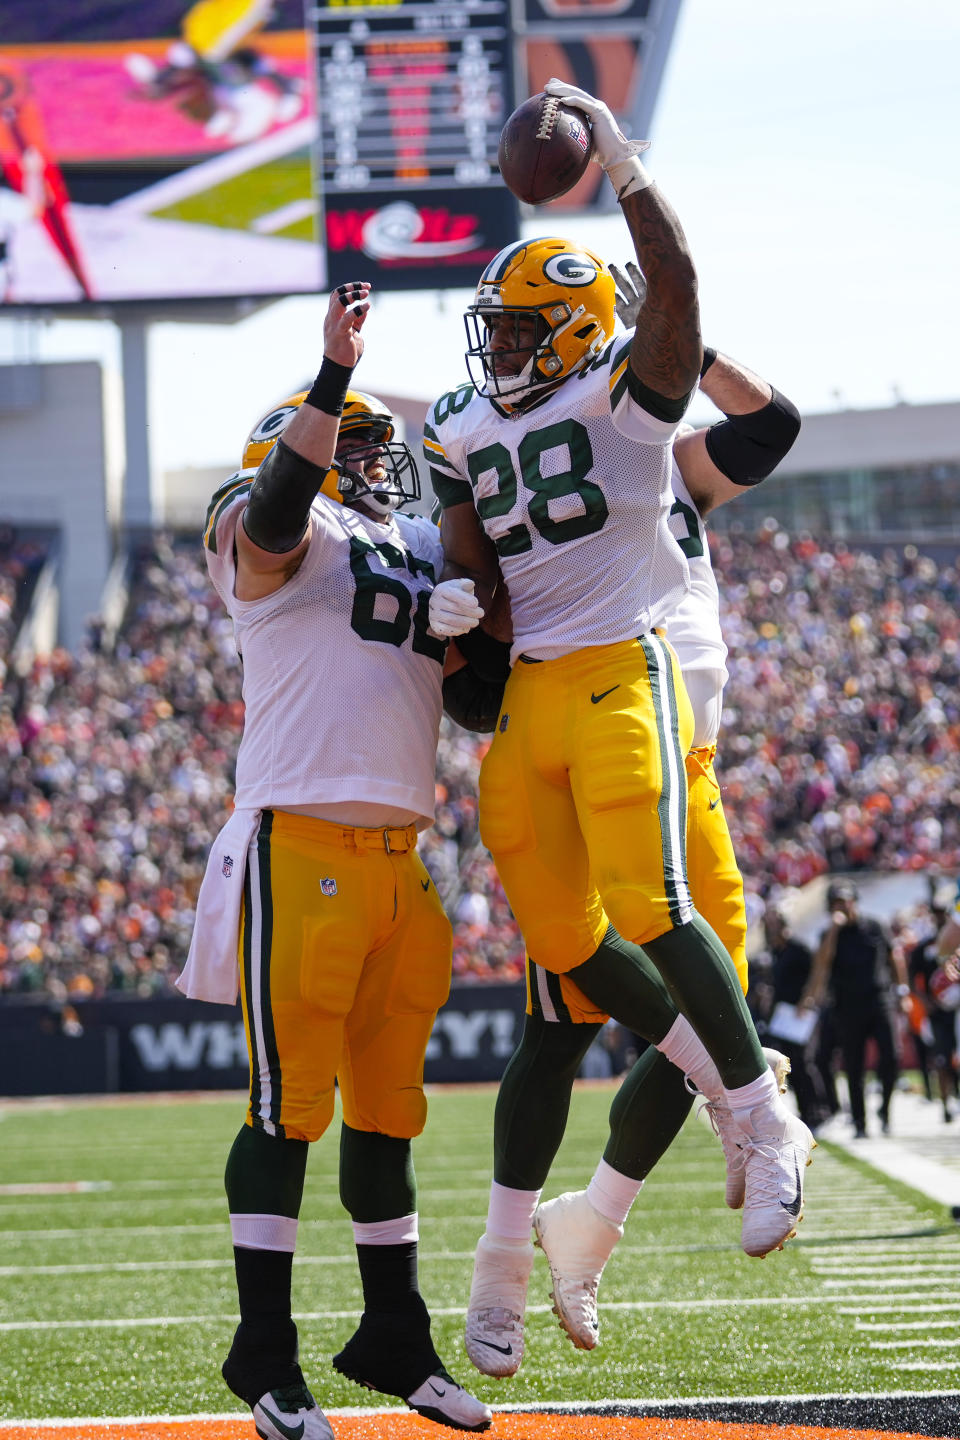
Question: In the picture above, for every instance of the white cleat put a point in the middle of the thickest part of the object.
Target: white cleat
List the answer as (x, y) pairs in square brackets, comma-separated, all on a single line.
[(498, 1301), (577, 1241), (290, 1413), (441, 1399), (721, 1118), (776, 1147)]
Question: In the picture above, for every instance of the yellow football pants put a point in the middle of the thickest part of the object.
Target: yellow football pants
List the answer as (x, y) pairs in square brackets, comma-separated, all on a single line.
[(345, 956), (716, 886), (583, 798)]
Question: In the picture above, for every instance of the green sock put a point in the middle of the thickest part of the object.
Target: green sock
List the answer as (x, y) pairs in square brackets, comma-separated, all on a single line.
[(647, 1114), (377, 1179), (703, 982), (265, 1175), (534, 1100)]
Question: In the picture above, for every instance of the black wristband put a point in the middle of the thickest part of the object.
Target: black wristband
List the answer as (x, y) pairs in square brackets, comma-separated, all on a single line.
[(709, 355), (329, 390)]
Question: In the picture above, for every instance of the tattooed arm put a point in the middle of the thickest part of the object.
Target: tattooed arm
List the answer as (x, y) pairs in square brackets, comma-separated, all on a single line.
[(666, 352)]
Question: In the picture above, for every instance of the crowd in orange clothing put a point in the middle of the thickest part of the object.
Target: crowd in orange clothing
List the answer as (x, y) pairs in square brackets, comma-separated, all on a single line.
[(839, 751)]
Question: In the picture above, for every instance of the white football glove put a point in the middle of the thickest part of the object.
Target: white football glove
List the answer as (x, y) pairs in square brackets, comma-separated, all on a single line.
[(611, 149), (454, 609)]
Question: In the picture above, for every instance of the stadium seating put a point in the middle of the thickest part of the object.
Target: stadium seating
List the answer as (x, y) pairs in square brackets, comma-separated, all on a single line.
[(839, 752)]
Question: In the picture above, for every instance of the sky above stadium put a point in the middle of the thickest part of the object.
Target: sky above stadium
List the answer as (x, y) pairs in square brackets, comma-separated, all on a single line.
[(809, 148)]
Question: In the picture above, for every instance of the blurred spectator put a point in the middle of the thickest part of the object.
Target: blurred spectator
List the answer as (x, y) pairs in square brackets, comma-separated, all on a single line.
[(842, 753), (935, 997), (791, 1030), (857, 965)]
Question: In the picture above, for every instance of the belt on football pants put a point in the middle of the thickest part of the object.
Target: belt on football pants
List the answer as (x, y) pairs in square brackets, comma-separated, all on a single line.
[(532, 660), (394, 840)]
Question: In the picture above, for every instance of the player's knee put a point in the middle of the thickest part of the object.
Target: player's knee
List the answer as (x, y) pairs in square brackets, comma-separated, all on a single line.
[(637, 914), (401, 1113), (308, 1119)]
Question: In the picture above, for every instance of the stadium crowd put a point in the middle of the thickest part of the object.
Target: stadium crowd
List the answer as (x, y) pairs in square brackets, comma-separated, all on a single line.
[(839, 752)]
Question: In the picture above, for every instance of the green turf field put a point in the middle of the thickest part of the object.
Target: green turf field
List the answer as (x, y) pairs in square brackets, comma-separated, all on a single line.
[(119, 1299)]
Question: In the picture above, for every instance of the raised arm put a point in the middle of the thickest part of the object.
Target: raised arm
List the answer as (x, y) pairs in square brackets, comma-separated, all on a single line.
[(666, 352), (272, 536)]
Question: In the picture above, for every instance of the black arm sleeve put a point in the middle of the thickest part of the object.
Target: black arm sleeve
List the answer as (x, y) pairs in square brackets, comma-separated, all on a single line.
[(471, 701), (654, 403), (282, 492), (748, 448)]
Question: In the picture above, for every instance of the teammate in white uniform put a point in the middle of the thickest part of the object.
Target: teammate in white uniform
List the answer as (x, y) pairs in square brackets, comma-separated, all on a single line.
[(578, 1232), (557, 475), (315, 886)]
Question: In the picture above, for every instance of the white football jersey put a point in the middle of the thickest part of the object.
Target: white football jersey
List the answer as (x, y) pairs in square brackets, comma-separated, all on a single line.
[(575, 493), (693, 628), (341, 682)]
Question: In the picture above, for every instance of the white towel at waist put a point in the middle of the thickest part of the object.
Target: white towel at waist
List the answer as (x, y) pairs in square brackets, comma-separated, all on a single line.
[(212, 971)]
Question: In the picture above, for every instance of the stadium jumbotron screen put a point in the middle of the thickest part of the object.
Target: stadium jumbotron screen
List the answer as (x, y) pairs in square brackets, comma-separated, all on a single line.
[(156, 152), (171, 151)]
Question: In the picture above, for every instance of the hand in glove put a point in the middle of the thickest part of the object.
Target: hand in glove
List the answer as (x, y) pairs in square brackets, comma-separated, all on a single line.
[(631, 293), (611, 149), (454, 608)]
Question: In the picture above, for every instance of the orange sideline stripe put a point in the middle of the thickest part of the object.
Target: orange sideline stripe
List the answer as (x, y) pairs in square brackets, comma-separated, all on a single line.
[(400, 1426)]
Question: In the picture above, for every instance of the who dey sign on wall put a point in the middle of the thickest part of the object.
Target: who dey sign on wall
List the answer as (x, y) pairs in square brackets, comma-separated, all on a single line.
[(133, 1046)]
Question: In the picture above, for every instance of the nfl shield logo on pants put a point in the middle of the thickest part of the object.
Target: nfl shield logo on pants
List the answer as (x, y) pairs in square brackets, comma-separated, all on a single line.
[(227, 866), (328, 886)]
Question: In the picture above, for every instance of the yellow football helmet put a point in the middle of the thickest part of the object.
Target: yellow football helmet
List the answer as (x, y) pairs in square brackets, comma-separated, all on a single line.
[(365, 437), (571, 293)]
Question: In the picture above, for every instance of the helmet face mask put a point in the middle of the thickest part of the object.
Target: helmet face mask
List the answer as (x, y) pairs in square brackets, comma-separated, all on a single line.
[(381, 473), (370, 467), (566, 291)]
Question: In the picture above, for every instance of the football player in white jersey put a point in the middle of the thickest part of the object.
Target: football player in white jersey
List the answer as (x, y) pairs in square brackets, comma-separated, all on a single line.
[(315, 902), (578, 1231), (553, 469)]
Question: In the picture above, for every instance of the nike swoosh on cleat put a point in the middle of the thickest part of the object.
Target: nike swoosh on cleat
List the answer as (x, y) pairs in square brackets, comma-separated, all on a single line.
[(792, 1207), (501, 1349), (435, 1390), (595, 699), (292, 1432)]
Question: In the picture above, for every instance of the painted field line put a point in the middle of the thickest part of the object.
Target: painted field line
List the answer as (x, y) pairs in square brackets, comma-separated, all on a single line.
[(731, 1303), (866, 1274), (55, 1187), (111, 1267), (933, 1343), (900, 1325), (585, 1419)]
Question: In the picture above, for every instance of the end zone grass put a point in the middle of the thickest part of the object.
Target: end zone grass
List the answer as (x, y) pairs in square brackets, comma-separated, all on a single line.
[(117, 1295)]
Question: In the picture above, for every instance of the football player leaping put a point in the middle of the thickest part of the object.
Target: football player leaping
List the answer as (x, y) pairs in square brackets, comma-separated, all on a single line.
[(554, 469), (315, 884), (579, 1231)]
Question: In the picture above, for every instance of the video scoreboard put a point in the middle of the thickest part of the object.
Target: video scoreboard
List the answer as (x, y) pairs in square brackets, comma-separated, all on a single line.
[(411, 98)]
